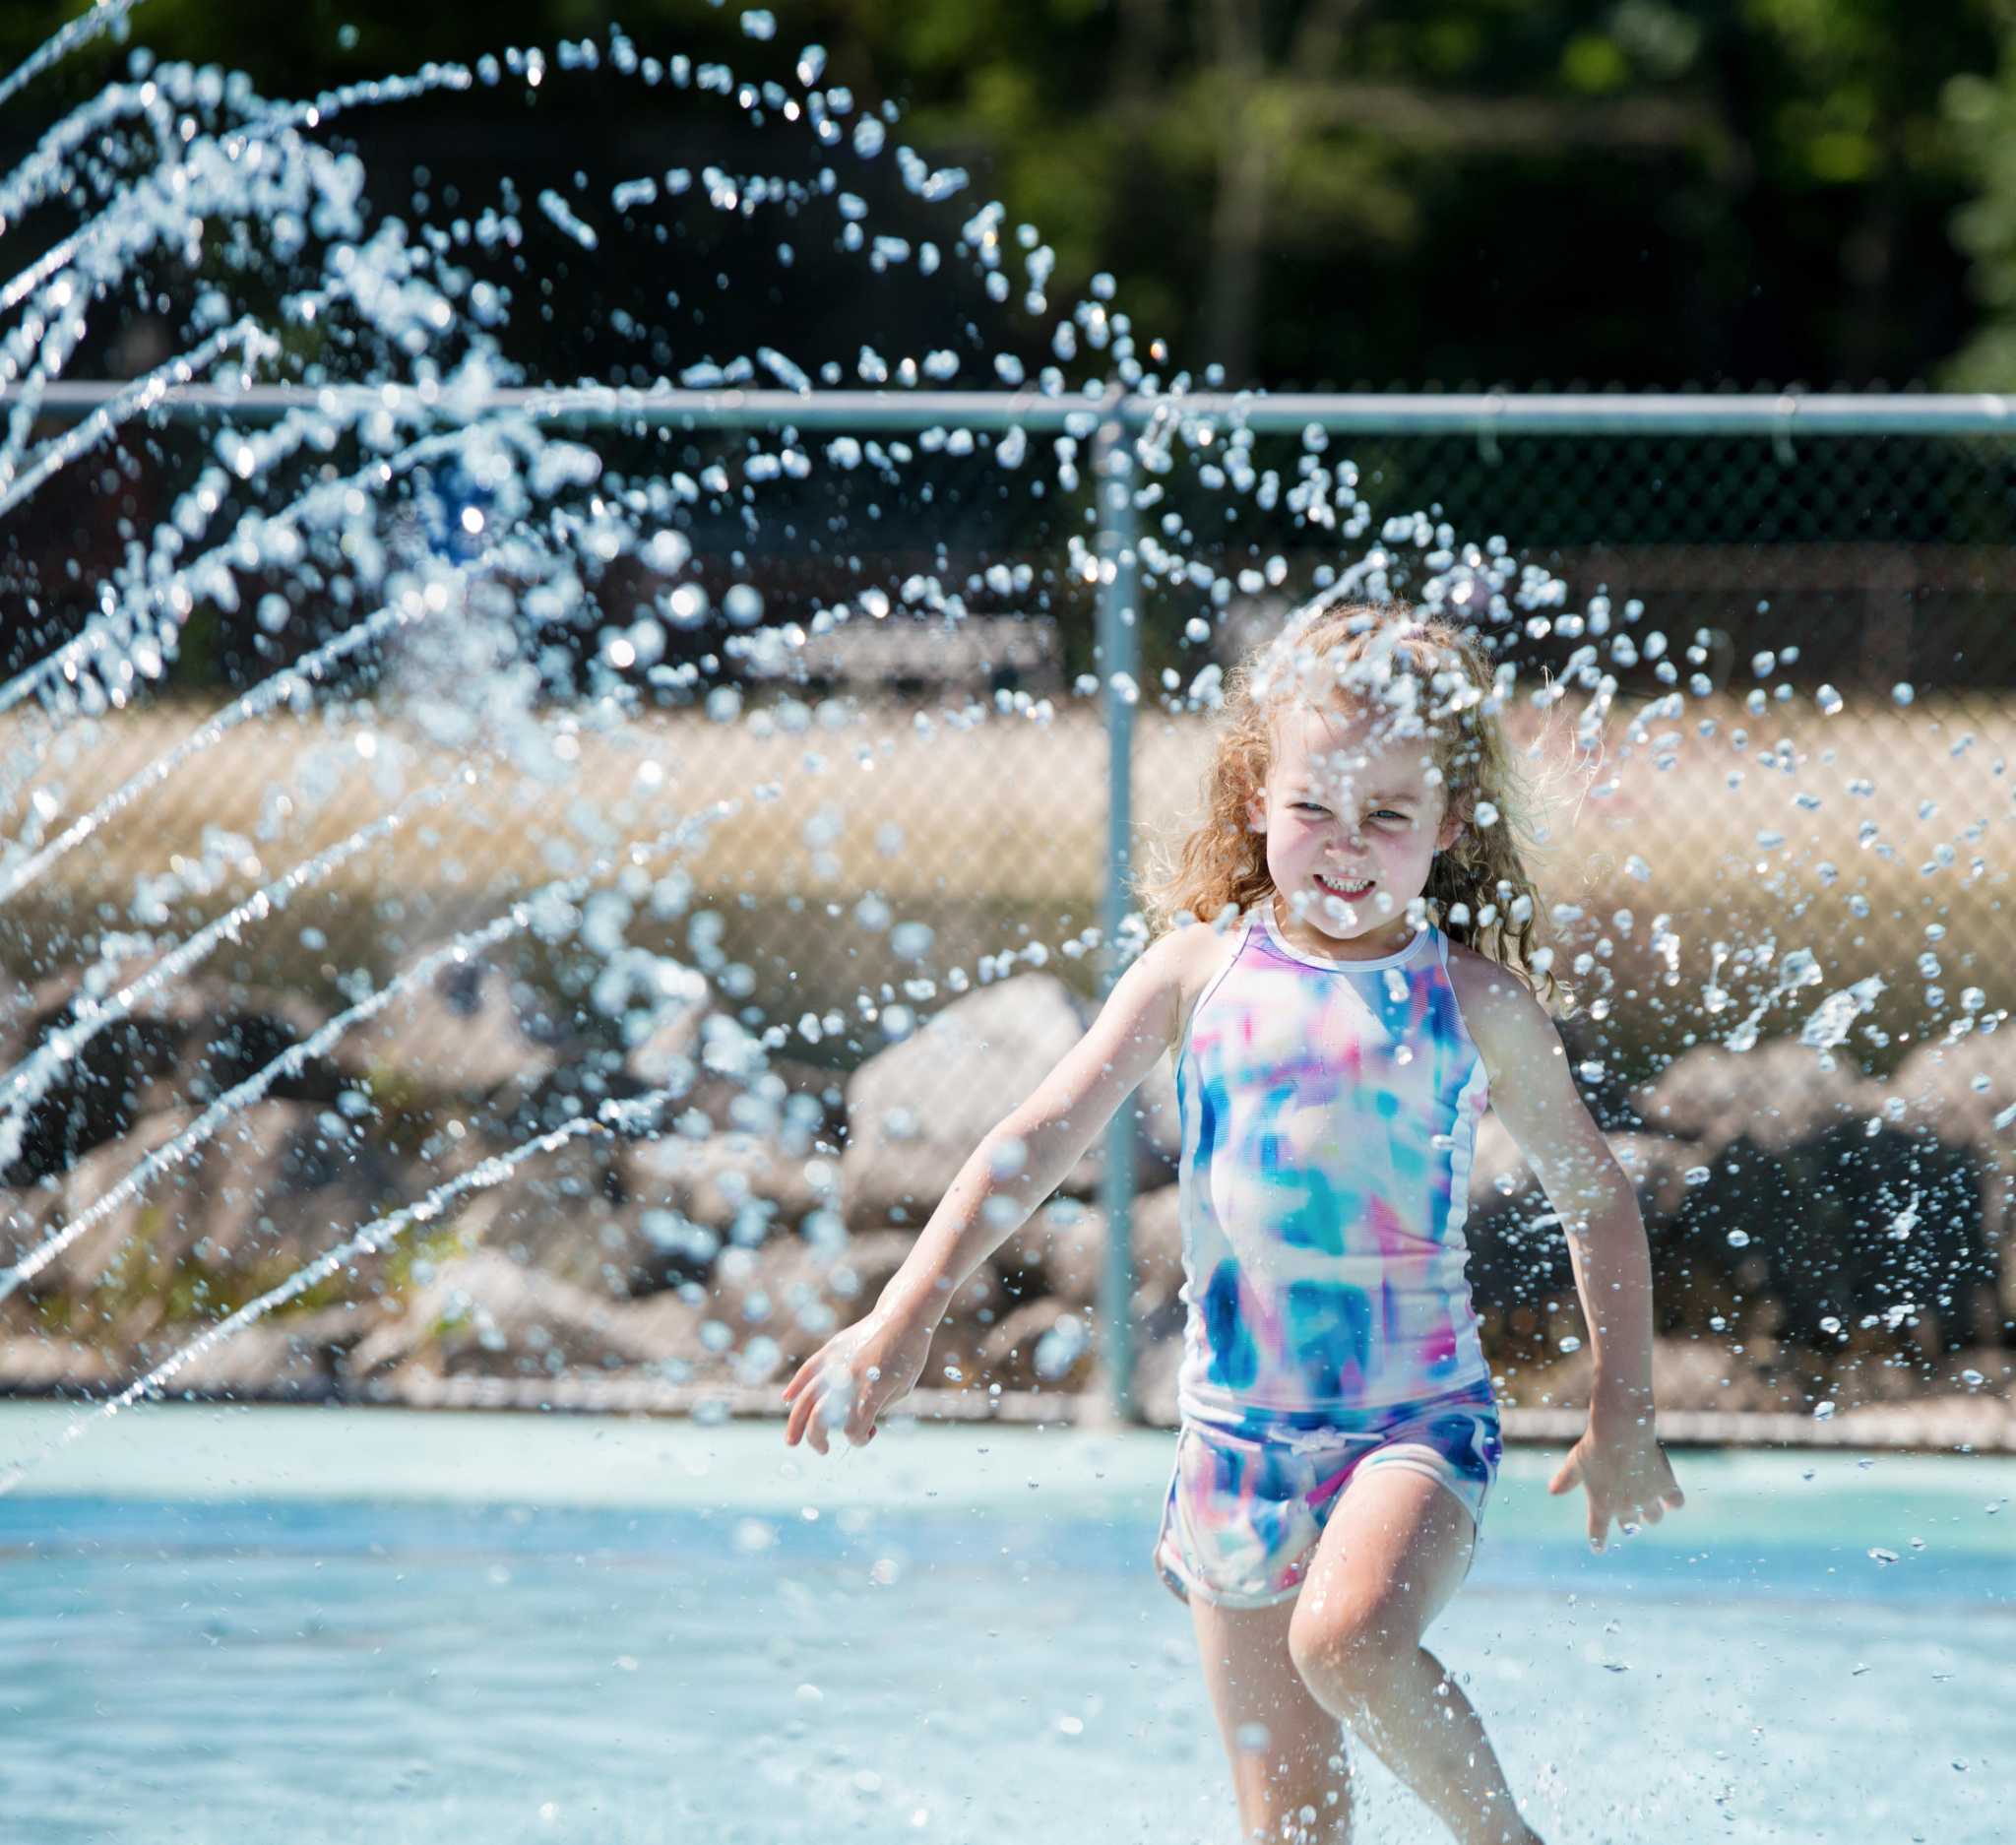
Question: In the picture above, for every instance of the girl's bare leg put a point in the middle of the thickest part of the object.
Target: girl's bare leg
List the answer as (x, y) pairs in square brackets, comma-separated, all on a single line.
[(1393, 1554), (1295, 1785)]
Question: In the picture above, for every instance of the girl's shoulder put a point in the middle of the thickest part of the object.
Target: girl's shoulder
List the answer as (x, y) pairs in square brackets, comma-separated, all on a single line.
[(1199, 954), (1478, 976), (1500, 1010)]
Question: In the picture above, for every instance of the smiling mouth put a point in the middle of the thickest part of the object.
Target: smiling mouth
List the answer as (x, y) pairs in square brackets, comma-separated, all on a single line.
[(1351, 890)]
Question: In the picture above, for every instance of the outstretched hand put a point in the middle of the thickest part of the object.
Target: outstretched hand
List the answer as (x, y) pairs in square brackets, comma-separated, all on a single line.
[(1627, 1476), (854, 1377)]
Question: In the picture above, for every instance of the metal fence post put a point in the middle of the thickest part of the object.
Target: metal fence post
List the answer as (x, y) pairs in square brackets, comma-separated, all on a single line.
[(1118, 658)]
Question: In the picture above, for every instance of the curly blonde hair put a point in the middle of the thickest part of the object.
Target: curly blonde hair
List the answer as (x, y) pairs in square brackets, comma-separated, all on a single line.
[(1436, 676)]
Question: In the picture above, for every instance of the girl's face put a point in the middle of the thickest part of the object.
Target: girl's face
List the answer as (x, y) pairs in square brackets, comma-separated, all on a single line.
[(1352, 824)]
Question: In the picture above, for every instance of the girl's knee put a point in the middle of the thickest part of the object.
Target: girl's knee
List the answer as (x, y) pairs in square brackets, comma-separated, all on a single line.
[(1350, 1653)]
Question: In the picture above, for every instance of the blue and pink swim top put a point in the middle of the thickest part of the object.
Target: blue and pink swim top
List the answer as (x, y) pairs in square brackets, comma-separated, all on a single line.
[(1329, 1113)]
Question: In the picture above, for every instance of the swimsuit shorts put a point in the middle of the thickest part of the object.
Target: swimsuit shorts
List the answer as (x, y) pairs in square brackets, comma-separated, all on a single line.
[(1249, 1497)]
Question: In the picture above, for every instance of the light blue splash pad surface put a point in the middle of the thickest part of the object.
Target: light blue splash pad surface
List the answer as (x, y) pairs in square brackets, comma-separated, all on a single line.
[(336, 1625)]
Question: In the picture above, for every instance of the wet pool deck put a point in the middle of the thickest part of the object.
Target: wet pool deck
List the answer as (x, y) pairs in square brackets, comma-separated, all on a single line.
[(236, 1450), (1962, 1424)]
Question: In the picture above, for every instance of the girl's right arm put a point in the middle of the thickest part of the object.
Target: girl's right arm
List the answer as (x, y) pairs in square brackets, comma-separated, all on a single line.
[(860, 1372)]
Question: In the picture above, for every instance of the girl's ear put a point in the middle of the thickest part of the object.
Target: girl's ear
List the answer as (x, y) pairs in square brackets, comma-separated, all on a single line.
[(1256, 810), (1451, 829)]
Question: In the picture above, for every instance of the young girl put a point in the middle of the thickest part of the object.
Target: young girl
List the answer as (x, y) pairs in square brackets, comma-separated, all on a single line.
[(1364, 982)]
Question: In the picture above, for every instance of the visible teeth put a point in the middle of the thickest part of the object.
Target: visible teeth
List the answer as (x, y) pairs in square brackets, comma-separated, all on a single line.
[(1343, 889)]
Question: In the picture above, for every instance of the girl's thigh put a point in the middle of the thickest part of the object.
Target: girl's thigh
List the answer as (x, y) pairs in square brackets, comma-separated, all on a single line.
[(1393, 1554), (1253, 1680)]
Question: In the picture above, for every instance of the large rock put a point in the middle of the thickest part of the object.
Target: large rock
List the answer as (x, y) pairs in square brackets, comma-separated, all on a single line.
[(669, 1050), (1518, 1252), (1656, 1166), (275, 1188), (1692, 1373), (764, 1311), (181, 1047), (1158, 1243), (1157, 1363), (485, 1314), (475, 1029), (1818, 1197), (578, 1083), (1062, 1249), (798, 1103), (1040, 1344), (286, 1356), (566, 1214), (1956, 1092), (916, 1110), (1959, 1088), (1599, 1077), (36, 1362), (730, 1179), (1518, 1255), (1778, 1096)]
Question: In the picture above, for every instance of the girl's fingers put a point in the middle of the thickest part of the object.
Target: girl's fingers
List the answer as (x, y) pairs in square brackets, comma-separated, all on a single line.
[(803, 1374), (862, 1423), (806, 1419)]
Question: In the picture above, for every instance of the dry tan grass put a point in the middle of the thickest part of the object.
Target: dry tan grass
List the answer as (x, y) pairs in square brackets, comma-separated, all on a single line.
[(1012, 812)]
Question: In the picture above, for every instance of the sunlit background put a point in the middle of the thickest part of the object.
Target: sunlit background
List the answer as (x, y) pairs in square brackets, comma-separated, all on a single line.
[(593, 620)]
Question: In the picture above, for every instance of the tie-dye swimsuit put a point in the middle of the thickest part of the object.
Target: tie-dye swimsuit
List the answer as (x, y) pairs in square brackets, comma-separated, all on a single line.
[(1329, 1114)]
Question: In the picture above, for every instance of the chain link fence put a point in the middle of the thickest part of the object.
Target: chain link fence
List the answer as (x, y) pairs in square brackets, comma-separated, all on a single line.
[(942, 756), (1798, 641)]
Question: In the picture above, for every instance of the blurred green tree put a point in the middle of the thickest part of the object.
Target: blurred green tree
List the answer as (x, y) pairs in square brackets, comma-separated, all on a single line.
[(1308, 192)]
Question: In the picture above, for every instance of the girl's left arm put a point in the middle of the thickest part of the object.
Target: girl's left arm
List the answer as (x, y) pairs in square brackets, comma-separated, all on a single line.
[(1618, 1460)]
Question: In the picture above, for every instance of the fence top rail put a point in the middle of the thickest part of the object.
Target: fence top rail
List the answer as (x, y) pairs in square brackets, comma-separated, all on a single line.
[(1485, 414)]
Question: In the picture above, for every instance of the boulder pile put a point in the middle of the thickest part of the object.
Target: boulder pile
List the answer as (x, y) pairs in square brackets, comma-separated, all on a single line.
[(1800, 1216)]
